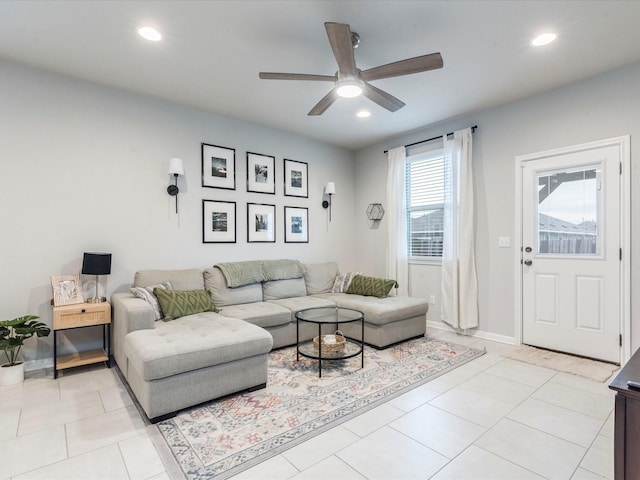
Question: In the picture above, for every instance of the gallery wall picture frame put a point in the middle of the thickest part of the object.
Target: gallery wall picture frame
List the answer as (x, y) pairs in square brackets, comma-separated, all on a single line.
[(218, 167), (261, 223), (67, 290), (296, 225), (218, 221), (261, 173), (296, 180)]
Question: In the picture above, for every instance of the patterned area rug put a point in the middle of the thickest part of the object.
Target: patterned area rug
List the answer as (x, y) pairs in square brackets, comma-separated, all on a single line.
[(223, 437)]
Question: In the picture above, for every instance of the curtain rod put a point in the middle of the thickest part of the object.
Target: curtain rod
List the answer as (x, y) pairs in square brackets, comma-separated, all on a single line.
[(473, 129)]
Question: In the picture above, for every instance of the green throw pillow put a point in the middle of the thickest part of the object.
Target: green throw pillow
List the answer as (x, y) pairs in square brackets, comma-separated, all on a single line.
[(179, 303), (370, 286)]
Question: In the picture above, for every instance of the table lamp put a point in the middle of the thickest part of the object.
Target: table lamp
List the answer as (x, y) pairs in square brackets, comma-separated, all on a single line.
[(96, 264)]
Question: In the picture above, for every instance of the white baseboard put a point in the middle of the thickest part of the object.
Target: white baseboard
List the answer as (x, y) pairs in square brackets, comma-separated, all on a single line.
[(474, 333)]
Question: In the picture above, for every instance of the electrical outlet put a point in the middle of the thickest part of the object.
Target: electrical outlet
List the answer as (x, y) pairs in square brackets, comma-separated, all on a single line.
[(432, 299)]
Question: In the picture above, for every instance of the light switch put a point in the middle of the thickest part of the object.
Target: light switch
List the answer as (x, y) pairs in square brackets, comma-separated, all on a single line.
[(504, 242)]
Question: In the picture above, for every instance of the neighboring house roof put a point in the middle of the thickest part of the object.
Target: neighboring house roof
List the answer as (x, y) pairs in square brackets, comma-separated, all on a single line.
[(433, 220), (551, 224)]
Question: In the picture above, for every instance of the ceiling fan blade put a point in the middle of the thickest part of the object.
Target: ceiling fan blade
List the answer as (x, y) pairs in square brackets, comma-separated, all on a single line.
[(423, 63), (296, 76), (340, 39), (323, 104), (382, 98)]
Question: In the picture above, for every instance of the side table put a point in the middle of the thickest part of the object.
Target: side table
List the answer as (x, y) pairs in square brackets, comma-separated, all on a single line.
[(626, 437), (332, 316), (81, 315)]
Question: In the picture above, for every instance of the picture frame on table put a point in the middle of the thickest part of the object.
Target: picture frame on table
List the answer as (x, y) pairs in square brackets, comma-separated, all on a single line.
[(296, 178), (218, 167), (261, 173), (218, 221), (261, 223), (67, 290), (296, 225)]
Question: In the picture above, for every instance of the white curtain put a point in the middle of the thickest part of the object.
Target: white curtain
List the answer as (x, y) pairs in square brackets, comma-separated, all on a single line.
[(459, 291), (397, 264)]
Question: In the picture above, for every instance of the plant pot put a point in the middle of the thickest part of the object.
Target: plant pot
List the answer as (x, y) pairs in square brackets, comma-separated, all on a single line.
[(11, 374)]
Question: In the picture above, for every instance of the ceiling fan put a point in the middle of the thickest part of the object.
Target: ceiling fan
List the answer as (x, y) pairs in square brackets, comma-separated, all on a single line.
[(350, 81)]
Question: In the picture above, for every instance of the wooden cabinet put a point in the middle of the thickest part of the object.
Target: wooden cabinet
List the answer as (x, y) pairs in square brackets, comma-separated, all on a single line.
[(627, 421), (82, 315)]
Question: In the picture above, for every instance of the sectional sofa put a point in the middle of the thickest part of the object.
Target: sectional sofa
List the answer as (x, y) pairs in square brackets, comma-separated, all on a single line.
[(171, 365)]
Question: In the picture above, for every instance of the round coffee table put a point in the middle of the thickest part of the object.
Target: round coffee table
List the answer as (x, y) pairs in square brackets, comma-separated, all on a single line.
[(329, 316)]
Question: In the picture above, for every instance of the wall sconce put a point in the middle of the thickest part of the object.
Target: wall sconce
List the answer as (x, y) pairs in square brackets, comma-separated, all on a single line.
[(375, 211), (96, 264), (175, 168), (329, 189)]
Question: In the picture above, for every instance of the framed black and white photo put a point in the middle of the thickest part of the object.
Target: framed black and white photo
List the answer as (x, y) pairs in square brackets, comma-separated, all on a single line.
[(295, 178), (296, 225), (261, 222), (261, 173), (218, 222), (67, 290), (218, 167)]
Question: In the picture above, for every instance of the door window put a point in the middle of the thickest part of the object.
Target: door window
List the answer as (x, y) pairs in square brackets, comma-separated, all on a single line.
[(568, 206)]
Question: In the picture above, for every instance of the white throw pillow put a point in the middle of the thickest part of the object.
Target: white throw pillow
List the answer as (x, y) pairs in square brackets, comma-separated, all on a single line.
[(146, 293)]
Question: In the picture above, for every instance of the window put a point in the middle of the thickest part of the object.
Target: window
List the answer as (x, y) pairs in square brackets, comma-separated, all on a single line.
[(425, 205)]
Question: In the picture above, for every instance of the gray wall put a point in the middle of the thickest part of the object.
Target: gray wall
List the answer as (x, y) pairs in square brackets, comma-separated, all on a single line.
[(602, 107), (85, 169)]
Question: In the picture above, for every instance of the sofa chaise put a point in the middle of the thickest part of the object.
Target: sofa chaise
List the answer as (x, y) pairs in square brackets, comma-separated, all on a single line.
[(171, 365)]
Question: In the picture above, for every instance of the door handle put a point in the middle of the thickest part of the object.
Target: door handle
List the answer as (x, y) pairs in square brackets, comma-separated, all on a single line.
[(528, 262)]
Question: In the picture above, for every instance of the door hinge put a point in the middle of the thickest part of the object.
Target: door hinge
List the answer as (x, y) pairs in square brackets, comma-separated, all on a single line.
[(620, 168), (620, 339), (621, 254)]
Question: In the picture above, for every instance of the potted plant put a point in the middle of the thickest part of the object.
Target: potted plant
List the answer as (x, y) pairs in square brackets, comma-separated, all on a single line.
[(13, 333)]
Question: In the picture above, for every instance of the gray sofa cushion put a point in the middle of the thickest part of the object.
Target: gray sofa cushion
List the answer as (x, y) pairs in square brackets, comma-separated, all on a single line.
[(193, 342), (190, 279), (222, 295), (277, 289), (282, 269), (263, 314), (300, 303), (380, 311), (319, 277)]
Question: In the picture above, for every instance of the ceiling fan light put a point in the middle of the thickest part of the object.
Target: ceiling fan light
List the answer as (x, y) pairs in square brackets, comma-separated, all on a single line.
[(349, 88)]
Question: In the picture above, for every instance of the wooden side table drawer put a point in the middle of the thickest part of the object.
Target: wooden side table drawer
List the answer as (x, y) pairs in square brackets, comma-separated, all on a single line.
[(74, 316)]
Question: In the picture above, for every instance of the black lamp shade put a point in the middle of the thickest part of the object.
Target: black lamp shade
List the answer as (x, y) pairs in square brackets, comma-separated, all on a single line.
[(96, 264)]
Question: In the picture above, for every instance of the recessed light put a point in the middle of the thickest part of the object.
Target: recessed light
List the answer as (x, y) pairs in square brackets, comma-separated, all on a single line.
[(150, 34), (544, 39), (363, 114)]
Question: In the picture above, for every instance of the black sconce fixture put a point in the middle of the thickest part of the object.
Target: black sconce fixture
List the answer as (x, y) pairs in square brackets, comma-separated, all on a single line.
[(375, 211), (176, 169), (329, 189)]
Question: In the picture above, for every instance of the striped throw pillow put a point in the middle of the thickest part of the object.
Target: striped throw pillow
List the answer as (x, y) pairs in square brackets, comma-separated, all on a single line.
[(342, 281)]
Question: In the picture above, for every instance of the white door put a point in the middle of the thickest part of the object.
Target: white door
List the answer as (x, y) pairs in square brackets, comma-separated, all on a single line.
[(571, 240)]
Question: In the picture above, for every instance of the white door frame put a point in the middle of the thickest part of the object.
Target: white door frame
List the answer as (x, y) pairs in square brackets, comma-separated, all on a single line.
[(625, 233)]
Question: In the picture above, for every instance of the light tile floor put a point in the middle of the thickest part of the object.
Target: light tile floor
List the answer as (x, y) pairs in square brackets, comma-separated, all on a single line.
[(493, 418)]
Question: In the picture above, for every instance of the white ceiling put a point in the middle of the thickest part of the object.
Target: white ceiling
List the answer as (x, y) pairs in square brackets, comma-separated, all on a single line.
[(212, 52)]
